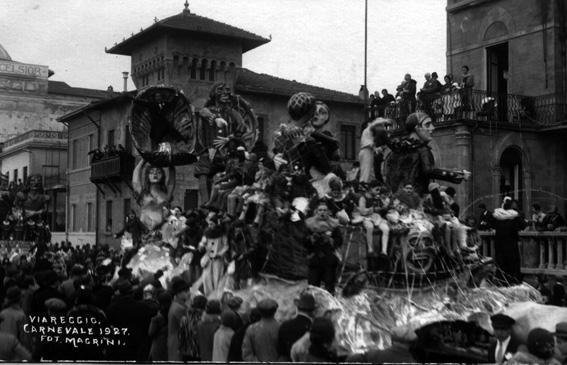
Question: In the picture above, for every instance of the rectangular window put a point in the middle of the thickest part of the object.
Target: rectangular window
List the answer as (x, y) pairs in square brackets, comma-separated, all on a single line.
[(108, 227), (348, 141), (25, 173), (262, 120), (90, 217), (127, 139), (16, 175), (75, 154), (127, 207), (191, 200), (110, 137), (74, 218)]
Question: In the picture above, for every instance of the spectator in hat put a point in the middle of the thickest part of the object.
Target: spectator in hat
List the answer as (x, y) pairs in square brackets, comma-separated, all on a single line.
[(179, 289), (188, 340), (561, 342), (540, 349), (12, 317), (292, 330), (48, 284), (223, 336), (67, 287), (235, 351), (158, 330), (127, 312), (234, 304), (261, 339), (321, 335), (505, 344), (206, 329)]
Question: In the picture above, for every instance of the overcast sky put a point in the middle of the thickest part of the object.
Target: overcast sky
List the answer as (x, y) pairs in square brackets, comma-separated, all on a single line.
[(320, 42)]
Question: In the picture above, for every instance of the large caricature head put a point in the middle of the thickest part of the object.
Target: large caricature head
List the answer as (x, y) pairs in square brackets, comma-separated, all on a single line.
[(420, 124), (301, 107), (321, 116), (220, 93), (35, 182)]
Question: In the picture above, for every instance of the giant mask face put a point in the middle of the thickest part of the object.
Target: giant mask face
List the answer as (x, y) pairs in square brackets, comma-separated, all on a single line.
[(321, 116), (35, 182), (222, 93)]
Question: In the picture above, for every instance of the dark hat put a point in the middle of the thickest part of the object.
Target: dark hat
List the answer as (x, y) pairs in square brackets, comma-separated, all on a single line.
[(322, 331), (502, 321), (229, 319), (178, 285), (50, 278), (55, 304), (306, 302), (267, 307), (234, 303), (125, 287), (164, 298), (199, 302), (561, 330), (213, 307), (124, 272), (541, 343), (13, 295)]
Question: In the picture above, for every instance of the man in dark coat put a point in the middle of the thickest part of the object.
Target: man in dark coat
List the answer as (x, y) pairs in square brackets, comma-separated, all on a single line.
[(507, 222), (292, 330), (127, 312), (411, 160), (505, 343)]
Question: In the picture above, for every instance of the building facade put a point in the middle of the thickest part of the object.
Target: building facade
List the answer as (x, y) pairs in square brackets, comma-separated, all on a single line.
[(32, 141), (192, 53), (510, 134)]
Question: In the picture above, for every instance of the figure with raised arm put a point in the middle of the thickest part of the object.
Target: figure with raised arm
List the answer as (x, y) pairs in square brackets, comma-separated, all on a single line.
[(153, 191)]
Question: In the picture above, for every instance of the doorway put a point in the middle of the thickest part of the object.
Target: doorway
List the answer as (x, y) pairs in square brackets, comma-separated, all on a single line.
[(497, 77), (511, 180)]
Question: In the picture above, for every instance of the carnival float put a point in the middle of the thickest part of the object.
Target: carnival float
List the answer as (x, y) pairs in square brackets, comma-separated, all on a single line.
[(427, 272)]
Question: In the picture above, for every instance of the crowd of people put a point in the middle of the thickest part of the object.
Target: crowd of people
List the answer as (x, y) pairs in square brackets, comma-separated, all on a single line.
[(438, 100), (22, 211)]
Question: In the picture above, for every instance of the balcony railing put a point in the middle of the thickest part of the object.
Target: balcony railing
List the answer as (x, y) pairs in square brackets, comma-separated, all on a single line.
[(113, 168), (540, 252), (519, 110)]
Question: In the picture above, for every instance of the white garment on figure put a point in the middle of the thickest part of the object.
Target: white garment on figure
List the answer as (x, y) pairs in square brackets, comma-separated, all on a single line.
[(501, 350), (366, 159)]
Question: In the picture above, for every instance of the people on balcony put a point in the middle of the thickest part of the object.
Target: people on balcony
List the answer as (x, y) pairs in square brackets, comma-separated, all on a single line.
[(466, 85), (429, 92), (407, 91), (537, 218)]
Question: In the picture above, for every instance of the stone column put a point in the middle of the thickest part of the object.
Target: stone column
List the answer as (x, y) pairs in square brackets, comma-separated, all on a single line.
[(496, 174), (464, 162)]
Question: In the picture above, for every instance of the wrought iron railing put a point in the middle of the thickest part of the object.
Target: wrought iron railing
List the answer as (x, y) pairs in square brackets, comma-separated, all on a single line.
[(519, 110), (119, 166)]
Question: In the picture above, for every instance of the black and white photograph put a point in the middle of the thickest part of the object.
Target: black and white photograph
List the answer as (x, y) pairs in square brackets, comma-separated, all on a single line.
[(326, 181)]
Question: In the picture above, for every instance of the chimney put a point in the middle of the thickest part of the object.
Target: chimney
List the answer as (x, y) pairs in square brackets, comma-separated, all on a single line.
[(125, 76)]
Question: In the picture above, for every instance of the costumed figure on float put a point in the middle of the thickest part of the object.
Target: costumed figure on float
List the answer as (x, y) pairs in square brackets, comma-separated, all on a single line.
[(278, 223)]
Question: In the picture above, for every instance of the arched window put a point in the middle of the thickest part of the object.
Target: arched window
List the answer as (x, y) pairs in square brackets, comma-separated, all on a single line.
[(222, 70), (203, 71), (212, 71), (512, 180), (193, 69)]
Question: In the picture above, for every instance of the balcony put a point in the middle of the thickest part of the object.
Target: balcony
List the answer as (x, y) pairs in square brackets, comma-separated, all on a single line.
[(540, 252), (112, 168), (505, 109)]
